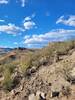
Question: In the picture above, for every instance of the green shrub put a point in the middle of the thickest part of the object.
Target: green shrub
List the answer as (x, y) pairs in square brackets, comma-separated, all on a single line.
[(7, 83), (25, 63)]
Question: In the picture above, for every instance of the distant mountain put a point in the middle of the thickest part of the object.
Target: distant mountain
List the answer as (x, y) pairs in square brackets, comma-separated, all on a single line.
[(4, 50)]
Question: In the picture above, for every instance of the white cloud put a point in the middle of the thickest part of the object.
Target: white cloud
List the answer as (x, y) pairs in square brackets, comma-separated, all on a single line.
[(70, 21), (26, 37), (3, 1), (10, 29), (29, 25), (59, 20), (54, 35), (23, 3), (27, 18), (1, 20)]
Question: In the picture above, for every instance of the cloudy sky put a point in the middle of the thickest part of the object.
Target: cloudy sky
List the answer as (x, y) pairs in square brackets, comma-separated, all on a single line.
[(35, 23)]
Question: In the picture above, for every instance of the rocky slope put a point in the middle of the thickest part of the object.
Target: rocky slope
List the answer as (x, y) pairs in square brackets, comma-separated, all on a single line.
[(49, 81)]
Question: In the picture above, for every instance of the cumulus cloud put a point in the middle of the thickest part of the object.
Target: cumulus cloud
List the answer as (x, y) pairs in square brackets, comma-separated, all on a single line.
[(70, 21), (3, 1), (54, 35), (26, 37), (28, 23), (10, 29), (27, 18)]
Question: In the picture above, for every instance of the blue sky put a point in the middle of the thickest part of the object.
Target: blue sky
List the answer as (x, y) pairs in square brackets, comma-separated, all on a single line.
[(35, 23)]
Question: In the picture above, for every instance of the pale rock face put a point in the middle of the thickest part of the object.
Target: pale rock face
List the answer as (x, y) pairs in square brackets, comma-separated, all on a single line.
[(73, 72), (31, 97)]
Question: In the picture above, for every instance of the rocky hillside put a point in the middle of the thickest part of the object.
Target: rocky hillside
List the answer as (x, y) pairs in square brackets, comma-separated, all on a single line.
[(44, 74)]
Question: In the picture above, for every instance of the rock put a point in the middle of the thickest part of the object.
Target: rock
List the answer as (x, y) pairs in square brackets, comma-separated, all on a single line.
[(32, 97), (30, 71), (43, 61), (33, 69), (13, 93), (22, 84), (40, 95), (55, 94)]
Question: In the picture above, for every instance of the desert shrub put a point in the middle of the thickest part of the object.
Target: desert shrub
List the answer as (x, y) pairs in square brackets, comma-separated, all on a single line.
[(10, 67), (26, 62), (24, 67), (61, 47), (8, 82)]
